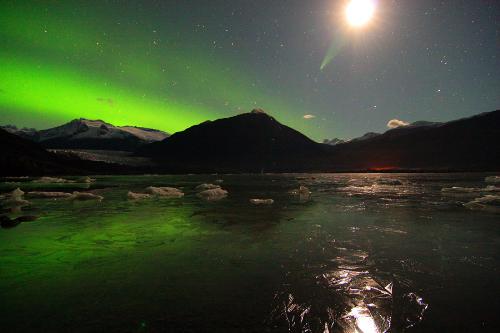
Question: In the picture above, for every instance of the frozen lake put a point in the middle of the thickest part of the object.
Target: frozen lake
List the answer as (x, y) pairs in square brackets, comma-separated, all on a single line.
[(362, 253)]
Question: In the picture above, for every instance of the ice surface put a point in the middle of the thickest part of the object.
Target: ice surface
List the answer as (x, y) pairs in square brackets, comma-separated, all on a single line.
[(366, 257)]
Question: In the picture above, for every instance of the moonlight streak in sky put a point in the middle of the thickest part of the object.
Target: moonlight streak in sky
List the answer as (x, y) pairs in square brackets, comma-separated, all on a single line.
[(358, 13)]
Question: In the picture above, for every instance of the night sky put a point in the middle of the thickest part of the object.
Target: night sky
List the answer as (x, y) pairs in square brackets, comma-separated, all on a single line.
[(173, 64)]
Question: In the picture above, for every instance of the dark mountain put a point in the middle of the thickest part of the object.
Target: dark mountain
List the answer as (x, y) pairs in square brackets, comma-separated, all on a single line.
[(91, 134), (256, 142), (465, 144), (23, 157), (250, 142), (369, 135)]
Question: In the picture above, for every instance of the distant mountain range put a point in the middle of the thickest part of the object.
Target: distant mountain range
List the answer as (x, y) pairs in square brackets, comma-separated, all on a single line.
[(465, 144), (23, 157), (371, 135), (256, 142), (90, 134), (337, 141)]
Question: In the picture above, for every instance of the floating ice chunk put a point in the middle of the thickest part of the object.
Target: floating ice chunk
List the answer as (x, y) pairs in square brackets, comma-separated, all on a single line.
[(492, 179), (16, 194), (204, 187), (488, 203), (16, 200), (458, 189), (83, 196), (52, 180), (213, 194), (262, 201), (389, 181), (168, 192), (138, 196), (36, 194), (87, 180)]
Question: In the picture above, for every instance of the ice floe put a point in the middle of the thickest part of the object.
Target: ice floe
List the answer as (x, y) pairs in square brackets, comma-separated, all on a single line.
[(204, 187), (492, 179), (167, 192), (83, 196), (15, 199), (488, 203), (459, 189), (52, 180), (138, 196), (213, 194), (54, 195), (87, 180), (262, 201)]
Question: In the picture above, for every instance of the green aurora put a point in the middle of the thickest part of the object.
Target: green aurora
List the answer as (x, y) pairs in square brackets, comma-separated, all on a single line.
[(61, 61)]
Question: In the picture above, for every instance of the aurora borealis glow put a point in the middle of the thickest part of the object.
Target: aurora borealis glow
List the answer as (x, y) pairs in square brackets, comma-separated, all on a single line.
[(60, 64), (172, 64)]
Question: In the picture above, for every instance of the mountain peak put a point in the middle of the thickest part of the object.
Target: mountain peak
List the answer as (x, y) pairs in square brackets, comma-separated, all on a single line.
[(258, 111)]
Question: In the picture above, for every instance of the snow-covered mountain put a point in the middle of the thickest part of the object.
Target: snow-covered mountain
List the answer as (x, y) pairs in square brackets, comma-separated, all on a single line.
[(91, 134), (333, 142), (371, 135), (337, 141)]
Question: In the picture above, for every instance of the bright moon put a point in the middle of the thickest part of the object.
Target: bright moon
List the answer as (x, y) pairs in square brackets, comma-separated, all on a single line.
[(360, 12)]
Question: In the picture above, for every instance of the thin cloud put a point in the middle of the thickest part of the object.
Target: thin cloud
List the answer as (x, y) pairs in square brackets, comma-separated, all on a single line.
[(394, 123)]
